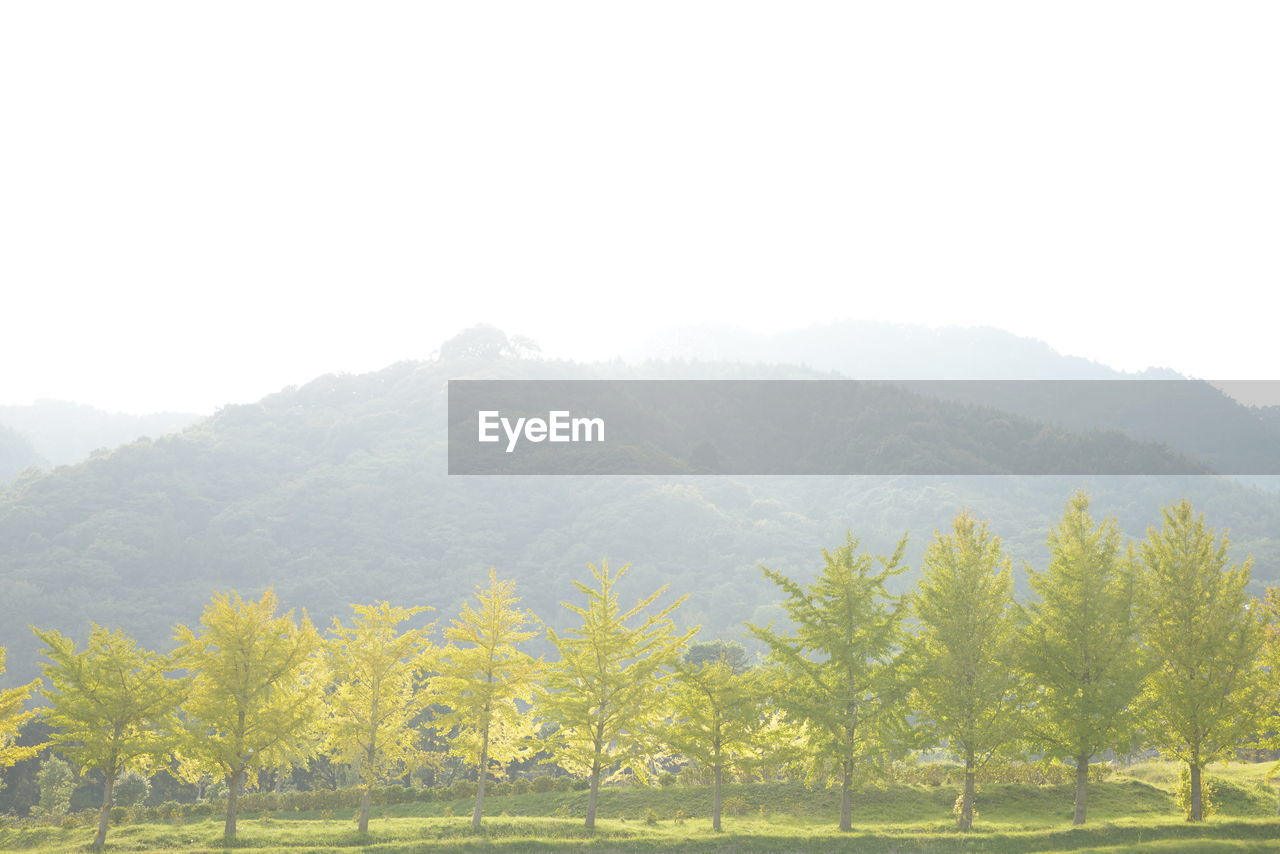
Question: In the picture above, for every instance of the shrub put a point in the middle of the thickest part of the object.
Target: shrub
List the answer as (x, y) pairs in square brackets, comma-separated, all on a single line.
[(545, 783), (520, 786), (1208, 788), (651, 816)]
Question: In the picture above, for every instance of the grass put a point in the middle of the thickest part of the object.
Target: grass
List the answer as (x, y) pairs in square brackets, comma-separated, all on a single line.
[(1132, 812)]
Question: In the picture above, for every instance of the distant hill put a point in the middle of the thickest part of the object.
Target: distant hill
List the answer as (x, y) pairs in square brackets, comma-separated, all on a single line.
[(62, 432), (336, 492), (869, 350), (16, 453)]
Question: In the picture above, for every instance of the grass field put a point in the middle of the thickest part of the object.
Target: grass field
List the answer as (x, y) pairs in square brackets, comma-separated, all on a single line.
[(1130, 812)]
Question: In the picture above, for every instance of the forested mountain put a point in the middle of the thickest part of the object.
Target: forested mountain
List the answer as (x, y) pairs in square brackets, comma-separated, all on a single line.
[(62, 432), (16, 453), (336, 492)]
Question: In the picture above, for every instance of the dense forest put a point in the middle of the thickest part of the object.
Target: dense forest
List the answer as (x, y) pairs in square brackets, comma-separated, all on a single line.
[(1119, 647)]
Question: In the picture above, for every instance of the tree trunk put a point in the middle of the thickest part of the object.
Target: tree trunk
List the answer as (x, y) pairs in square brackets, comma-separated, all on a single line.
[(846, 798), (104, 817), (235, 783), (591, 798), (1082, 788), (1197, 802), (967, 796), (480, 780), (716, 800), (365, 798)]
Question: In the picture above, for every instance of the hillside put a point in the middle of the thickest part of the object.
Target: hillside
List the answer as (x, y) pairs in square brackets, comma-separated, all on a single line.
[(336, 492), (62, 433)]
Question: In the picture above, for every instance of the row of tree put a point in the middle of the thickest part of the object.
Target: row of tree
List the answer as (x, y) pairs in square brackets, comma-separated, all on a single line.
[(1156, 643)]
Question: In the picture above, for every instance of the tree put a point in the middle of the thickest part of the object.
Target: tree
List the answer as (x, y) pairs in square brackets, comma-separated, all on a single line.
[(113, 706), (57, 782), (257, 678), (377, 672), (603, 695), (840, 662), (717, 713), (963, 651), (1080, 644), (488, 684), (1203, 634), (13, 715)]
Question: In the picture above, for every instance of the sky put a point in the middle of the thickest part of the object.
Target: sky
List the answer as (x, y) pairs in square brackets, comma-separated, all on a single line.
[(203, 203)]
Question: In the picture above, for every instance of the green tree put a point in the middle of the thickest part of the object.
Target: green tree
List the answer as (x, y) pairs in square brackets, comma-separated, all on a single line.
[(113, 706), (254, 701), (604, 694), (1080, 645), (488, 683), (717, 714), (1203, 635), (963, 651), (377, 672), (13, 716), (841, 661), (56, 781)]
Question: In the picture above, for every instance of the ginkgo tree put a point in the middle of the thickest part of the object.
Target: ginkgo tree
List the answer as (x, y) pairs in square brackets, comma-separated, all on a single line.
[(487, 683), (1079, 645), (254, 701), (112, 705), (962, 655), (717, 715), (1206, 690), (840, 660), (13, 716), (604, 695), (377, 670)]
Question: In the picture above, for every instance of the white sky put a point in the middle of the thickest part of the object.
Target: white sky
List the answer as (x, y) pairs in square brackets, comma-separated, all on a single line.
[(201, 203)]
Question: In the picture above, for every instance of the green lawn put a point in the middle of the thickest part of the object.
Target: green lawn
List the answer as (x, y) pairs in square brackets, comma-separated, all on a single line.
[(1131, 812)]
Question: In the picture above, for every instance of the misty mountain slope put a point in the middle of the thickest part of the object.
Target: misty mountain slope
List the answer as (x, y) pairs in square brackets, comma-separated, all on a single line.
[(63, 433), (870, 350), (1194, 418), (335, 492), (16, 454)]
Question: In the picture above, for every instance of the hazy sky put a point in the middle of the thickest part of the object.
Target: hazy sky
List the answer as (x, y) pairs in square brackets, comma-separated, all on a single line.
[(200, 203)]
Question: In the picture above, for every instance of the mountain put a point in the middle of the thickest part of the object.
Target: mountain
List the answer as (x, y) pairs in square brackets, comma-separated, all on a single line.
[(63, 433), (16, 453), (870, 350), (336, 492)]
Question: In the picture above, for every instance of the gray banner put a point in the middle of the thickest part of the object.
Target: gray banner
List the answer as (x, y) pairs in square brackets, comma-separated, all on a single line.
[(750, 427)]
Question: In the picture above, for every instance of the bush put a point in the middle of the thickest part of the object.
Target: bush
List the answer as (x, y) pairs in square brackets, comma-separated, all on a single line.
[(735, 805), (545, 783), (651, 816), (131, 789), (520, 786), (1208, 788)]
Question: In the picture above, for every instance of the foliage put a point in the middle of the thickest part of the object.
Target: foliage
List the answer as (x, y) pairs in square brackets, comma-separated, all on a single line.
[(12, 718), (603, 695), (839, 663), (377, 671), (486, 682), (1206, 691), (57, 782), (257, 680), (965, 681)]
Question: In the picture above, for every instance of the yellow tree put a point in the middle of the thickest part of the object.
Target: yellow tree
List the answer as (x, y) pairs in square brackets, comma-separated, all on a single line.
[(1203, 635), (717, 713), (113, 706), (377, 670), (487, 683), (604, 693), (13, 716), (257, 679)]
